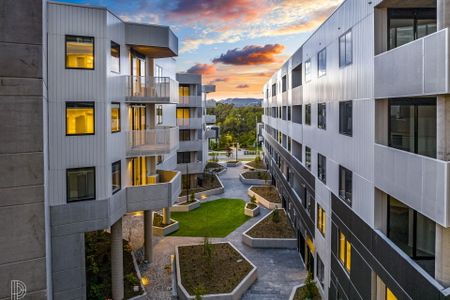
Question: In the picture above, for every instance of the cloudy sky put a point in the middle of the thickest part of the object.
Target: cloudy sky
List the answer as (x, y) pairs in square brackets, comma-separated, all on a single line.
[(235, 44)]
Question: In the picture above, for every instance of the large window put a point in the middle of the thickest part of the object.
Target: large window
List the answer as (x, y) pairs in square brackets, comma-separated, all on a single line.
[(80, 184), (115, 57), (345, 184), (308, 114), (322, 62), (184, 90), (274, 89), (345, 49), (320, 271), (308, 70), (412, 125), (185, 135), (115, 117), (321, 220), (297, 114), (80, 118), (308, 158), (297, 76), (345, 252), (183, 157), (79, 52), (284, 84), (322, 115), (406, 25), (322, 168), (346, 118), (116, 176)]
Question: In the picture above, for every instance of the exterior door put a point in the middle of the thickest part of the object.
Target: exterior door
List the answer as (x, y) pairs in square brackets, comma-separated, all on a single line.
[(137, 124), (138, 74)]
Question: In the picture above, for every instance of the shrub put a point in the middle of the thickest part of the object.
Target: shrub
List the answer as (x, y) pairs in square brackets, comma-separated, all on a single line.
[(192, 198), (253, 199), (310, 288), (276, 216)]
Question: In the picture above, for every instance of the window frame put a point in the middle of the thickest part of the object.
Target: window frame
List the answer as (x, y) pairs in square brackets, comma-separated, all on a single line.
[(65, 52), (114, 44), (342, 106), (308, 71), (346, 261), (308, 113), (65, 117), (322, 159), (320, 72), (119, 162), (346, 172), (321, 223), (67, 184), (308, 164), (120, 116), (345, 63), (322, 107)]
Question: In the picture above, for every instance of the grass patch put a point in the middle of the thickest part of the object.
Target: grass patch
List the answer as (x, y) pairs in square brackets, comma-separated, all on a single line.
[(216, 270), (214, 219), (261, 175), (273, 227), (268, 192)]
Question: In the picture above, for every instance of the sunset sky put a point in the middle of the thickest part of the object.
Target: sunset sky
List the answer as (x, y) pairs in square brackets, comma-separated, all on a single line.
[(235, 44)]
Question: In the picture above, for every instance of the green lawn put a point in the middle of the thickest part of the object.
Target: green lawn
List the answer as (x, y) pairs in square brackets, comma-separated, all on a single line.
[(214, 219)]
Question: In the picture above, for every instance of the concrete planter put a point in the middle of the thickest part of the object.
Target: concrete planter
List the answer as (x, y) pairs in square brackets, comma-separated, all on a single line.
[(279, 243), (185, 207), (163, 231), (252, 181), (251, 212), (263, 201), (246, 166), (236, 294), (233, 164), (294, 289), (138, 272), (205, 194)]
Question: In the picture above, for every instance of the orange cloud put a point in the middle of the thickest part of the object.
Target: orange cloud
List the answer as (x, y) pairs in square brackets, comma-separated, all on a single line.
[(250, 55), (202, 69), (242, 86)]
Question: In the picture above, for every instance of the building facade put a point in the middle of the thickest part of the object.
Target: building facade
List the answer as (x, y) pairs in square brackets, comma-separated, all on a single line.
[(356, 131), (102, 118)]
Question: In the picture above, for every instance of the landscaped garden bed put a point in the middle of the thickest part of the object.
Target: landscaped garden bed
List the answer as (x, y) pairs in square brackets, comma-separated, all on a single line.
[(214, 167), (257, 164), (251, 209), (213, 271), (161, 229), (273, 231), (233, 163), (98, 267), (305, 291), (266, 195), (210, 185), (186, 206), (255, 177)]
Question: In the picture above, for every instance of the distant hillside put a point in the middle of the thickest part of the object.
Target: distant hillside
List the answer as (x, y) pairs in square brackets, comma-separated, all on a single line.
[(241, 102)]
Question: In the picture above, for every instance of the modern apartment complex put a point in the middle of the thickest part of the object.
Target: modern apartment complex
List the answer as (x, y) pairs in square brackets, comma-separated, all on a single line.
[(90, 130), (192, 154), (356, 135)]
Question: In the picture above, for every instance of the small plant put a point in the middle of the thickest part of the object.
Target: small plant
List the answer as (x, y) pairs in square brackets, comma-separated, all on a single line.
[(310, 288), (253, 199), (192, 198), (199, 291), (207, 247), (276, 216), (257, 158)]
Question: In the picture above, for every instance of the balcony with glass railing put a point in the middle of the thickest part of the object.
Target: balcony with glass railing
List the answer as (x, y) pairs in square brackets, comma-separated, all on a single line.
[(157, 141), (147, 89), (190, 101), (190, 123), (210, 119)]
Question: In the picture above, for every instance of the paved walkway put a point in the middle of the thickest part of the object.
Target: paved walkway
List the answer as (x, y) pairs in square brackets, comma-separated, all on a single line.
[(278, 269)]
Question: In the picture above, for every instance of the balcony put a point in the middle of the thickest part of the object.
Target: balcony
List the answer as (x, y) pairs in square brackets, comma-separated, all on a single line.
[(152, 40), (190, 101), (162, 194), (417, 68), (211, 104), (210, 119), (418, 181), (191, 168), (156, 141), (188, 146), (158, 90), (190, 123)]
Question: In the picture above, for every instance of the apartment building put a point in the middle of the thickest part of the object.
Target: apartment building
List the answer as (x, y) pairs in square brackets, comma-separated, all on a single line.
[(99, 140), (356, 131), (192, 154)]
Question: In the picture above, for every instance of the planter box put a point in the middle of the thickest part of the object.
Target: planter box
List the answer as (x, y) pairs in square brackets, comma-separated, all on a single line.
[(185, 207), (200, 195), (246, 166), (163, 231), (138, 272), (264, 202), (251, 212), (252, 181), (236, 294), (233, 164), (280, 243), (294, 289)]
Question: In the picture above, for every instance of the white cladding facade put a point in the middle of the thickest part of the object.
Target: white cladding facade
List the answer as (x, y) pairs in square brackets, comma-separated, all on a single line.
[(373, 80)]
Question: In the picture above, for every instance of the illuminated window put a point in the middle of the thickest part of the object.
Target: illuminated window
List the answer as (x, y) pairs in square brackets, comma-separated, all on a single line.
[(345, 252), (184, 90), (115, 117), (80, 118), (115, 57), (183, 113), (80, 184), (321, 219), (390, 295), (79, 52), (116, 176)]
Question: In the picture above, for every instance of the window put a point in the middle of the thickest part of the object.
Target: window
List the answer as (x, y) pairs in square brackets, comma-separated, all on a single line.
[(80, 184), (79, 52), (413, 126), (308, 114), (345, 251), (284, 84), (80, 118), (116, 177), (297, 114), (322, 116), (321, 219), (159, 114), (274, 89), (345, 49), (289, 114), (322, 62), (322, 168), (184, 90), (308, 157), (345, 185), (115, 117), (390, 295), (183, 157), (320, 271), (297, 76), (297, 150), (115, 57), (185, 135), (346, 118), (308, 70)]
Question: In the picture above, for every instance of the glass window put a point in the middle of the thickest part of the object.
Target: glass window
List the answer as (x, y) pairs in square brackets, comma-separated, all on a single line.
[(322, 168), (185, 135), (274, 89), (283, 84), (321, 219), (115, 57), (297, 114), (297, 76), (184, 90), (322, 115), (308, 157), (159, 114), (308, 114), (345, 185), (115, 117), (289, 114), (346, 118), (345, 252), (116, 177), (346, 49), (79, 52), (80, 118), (320, 271), (390, 295), (183, 157), (308, 70), (80, 184), (322, 62)]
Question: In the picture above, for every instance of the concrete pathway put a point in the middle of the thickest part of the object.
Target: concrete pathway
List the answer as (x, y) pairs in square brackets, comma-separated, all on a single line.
[(278, 270)]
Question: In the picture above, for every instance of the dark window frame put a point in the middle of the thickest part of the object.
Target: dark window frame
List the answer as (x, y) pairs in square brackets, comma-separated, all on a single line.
[(65, 51), (322, 169), (308, 162), (322, 72), (117, 46), (119, 162), (345, 63), (346, 171), (344, 113), (120, 117), (322, 115), (308, 112), (68, 103), (67, 184)]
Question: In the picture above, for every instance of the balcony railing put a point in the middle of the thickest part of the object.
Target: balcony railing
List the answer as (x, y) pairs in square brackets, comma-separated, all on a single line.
[(193, 123), (191, 168), (190, 101), (210, 119), (194, 145), (152, 141), (152, 89)]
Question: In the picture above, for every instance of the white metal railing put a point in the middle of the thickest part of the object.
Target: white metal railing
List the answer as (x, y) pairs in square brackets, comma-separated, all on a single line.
[(153, 87), (158, 140)]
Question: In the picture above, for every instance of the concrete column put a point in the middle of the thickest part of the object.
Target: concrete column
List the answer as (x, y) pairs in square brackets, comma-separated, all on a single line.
[(166, 215), (148, 235), (442, 263), (117, 261), (443, 14)]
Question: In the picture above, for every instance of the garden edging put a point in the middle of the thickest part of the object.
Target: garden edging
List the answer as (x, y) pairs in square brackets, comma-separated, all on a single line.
[(263, 201), (294, 290), (207, 193), (185, 207), (252, 181)]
